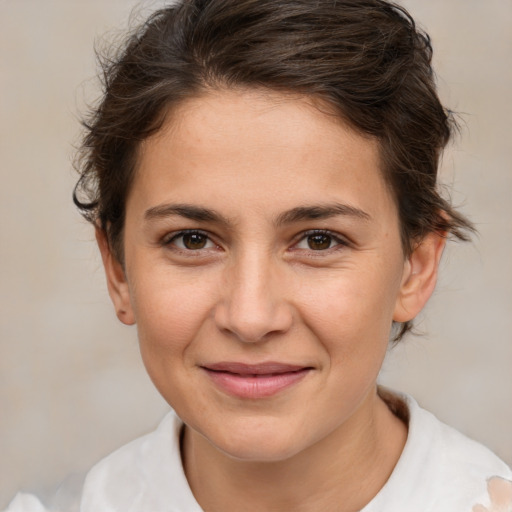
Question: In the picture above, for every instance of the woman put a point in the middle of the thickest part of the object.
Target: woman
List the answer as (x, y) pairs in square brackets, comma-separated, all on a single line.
[(262, 179)]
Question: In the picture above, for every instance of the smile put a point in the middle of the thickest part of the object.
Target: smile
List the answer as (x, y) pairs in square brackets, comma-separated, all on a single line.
[(254, 381)]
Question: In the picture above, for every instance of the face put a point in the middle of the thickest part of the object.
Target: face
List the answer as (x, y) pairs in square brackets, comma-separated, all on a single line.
[(263, 268)]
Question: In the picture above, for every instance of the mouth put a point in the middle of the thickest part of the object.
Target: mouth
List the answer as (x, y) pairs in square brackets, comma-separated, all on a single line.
[(254, 381)]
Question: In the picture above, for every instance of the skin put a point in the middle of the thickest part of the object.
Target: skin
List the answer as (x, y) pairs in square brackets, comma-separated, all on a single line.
[(245, 168)]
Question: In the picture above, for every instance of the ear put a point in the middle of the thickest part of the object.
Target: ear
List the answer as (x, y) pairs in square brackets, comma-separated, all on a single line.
[(420, 277), (116, 280)]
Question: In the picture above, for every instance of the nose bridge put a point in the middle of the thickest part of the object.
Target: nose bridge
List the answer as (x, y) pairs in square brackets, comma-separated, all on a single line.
[(254, 304)]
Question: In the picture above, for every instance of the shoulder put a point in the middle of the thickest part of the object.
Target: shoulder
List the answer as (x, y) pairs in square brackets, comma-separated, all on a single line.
[(459, 455), (455, 446), (440, 469), (24, 502), (470, 471), (145, 474)]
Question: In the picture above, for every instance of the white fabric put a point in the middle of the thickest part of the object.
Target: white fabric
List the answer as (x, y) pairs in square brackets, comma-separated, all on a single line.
[(439, 470)]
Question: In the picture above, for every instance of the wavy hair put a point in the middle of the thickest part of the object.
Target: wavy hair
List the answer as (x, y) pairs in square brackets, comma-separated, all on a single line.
[(365, 59)]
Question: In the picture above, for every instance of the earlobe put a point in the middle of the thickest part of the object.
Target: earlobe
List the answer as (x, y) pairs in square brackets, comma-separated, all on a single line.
[(419, 277), (117, 284)]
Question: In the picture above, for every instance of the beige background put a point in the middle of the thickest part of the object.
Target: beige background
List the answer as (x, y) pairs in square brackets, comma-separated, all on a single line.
[(72, 386)]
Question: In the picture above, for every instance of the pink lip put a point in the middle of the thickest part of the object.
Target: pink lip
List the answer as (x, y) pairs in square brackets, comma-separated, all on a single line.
[(254, 380)]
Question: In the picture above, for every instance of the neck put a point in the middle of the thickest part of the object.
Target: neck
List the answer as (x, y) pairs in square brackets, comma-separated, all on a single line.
[(342, 472)]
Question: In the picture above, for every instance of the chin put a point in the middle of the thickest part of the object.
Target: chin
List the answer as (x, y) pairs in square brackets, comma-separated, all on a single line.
[(260, 441), (254, 451)]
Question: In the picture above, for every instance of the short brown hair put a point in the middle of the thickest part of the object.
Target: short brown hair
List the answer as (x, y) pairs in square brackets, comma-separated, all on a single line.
[(366, 59)]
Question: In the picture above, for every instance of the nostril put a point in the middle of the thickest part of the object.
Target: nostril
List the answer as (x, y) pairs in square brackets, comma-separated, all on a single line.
[(251, 325)]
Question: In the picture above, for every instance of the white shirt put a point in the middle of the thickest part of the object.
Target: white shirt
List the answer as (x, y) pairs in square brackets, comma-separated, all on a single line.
[(440, 470)]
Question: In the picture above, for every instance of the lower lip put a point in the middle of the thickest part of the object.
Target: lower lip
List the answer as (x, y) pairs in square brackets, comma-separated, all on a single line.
[(254, 387)]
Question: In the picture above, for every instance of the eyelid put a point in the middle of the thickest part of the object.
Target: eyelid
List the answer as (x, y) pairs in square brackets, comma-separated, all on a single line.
[(168, 239), (339, 239)]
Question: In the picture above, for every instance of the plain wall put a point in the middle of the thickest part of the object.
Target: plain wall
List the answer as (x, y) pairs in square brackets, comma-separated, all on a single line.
[(72, 385)]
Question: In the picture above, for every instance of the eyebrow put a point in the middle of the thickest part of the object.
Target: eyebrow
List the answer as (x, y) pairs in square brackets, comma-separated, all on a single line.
[(187, 211), (323, 211), (300, 213)]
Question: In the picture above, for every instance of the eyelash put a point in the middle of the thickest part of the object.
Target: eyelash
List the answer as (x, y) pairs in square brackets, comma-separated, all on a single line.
[(170, 240), (335, 238)]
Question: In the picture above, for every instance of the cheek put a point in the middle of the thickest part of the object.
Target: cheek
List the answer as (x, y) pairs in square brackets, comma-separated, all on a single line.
[(170, 311), (170, 319), (352, 313)]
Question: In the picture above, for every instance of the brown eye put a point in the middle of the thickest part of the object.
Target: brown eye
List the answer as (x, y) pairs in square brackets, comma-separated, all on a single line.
[(194, 241), (191, 241), (319, 241)]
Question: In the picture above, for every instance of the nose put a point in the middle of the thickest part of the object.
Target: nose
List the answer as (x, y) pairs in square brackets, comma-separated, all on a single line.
[(253, 307)]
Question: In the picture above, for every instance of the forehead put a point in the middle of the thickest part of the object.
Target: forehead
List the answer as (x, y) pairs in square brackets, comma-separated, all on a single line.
[(254, 145), (261, 118)]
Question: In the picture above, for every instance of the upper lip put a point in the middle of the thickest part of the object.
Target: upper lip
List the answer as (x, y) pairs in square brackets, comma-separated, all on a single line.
[(266, 368)]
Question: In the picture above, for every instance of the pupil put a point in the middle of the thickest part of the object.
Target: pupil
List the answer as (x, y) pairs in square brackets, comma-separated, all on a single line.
[(194, 241), (319, 242)]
